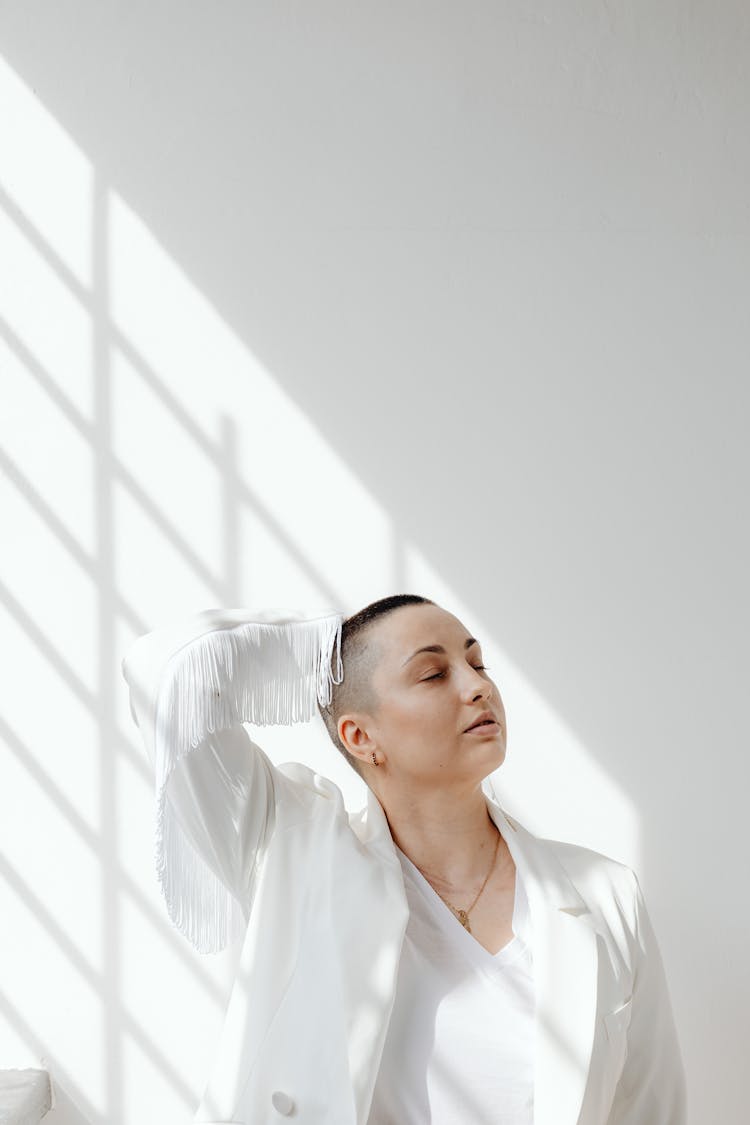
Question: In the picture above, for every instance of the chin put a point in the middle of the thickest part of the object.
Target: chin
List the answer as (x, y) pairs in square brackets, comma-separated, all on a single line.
[(498, 756), (491, 760)]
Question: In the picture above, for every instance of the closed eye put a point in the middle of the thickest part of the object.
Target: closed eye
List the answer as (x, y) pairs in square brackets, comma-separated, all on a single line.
[(438, 675)]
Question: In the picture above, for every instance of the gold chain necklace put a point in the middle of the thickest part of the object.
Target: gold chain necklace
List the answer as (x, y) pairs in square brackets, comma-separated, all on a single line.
[(463, 915)]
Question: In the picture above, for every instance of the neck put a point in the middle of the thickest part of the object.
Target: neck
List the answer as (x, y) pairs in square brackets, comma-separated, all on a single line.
[(449, 839)]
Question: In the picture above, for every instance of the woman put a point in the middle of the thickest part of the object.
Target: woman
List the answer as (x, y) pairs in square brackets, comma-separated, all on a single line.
[(426, 959)]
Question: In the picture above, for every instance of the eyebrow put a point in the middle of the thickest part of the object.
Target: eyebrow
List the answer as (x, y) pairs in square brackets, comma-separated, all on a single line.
[(439, 648)]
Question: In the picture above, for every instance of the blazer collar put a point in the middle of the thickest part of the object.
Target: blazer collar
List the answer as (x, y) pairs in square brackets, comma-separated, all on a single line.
[(546, 879), (564, 950)]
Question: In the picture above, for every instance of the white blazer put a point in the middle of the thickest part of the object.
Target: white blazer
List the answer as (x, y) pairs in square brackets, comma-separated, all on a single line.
[(316, 894)]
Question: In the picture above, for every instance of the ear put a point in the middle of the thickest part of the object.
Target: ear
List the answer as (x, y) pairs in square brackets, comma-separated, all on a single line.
[(354, 736)]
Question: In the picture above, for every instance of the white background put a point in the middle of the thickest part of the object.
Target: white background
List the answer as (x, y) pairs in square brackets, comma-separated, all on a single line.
[(307, 303)]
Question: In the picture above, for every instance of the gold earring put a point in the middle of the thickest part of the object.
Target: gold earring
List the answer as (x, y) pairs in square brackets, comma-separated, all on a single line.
[(374, 759)]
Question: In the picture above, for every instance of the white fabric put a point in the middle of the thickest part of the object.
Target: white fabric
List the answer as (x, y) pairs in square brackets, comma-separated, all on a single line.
[(214, 671), (327, 914), (460, 1042)]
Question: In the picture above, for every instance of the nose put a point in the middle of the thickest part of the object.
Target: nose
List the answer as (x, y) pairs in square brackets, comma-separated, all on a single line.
[(479, 685)]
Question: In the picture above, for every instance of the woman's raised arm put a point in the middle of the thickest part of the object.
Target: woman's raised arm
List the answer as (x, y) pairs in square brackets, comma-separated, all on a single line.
[(192, 685)]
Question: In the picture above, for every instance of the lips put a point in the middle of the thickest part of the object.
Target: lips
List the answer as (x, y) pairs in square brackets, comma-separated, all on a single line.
[(485, 717)]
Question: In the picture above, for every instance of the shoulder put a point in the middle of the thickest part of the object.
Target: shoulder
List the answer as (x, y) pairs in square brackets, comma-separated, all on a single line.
[(575, 858), (587, 863), (604, 882), (599, 878), (303, 787)]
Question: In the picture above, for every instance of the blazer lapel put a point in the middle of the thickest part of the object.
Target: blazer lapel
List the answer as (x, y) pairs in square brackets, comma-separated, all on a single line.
[(564, 950), (565, 954), (370, 912)]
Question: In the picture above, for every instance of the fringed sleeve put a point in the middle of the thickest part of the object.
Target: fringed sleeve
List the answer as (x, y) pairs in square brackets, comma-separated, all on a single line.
[(192, 685)]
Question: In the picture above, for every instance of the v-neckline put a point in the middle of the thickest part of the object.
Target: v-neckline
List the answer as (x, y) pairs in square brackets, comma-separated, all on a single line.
[(451, 925)]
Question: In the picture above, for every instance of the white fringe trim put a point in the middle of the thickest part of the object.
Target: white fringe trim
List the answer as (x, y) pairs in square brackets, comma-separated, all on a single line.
[(257, 672)]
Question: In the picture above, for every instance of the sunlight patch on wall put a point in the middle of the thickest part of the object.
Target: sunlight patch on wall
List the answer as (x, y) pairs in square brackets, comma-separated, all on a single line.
[(549, 780), (45, 240), (249, 499), (45, 174)]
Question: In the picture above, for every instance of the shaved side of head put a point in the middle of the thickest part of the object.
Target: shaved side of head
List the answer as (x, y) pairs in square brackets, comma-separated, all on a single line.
[(360, 656)]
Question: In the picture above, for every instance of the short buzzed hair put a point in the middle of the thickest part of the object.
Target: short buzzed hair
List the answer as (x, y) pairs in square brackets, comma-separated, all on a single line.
[(360, 654)]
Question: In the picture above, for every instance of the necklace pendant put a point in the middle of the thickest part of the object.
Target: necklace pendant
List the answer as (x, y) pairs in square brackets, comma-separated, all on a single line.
[(463, 918)]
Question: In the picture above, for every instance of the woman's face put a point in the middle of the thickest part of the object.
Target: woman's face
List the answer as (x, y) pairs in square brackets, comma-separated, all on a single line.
[(427, 700)]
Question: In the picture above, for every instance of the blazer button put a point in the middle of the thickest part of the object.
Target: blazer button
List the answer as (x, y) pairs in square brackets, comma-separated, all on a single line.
[(282, 1102)]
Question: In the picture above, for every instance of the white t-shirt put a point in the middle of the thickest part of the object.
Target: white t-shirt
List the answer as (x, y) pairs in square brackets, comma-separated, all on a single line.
[(460, 1043)]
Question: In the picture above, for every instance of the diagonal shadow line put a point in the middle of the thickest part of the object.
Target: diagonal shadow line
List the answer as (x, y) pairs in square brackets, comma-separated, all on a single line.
[(159, 1060), (92, 976), (122, 476), (119, 473), (35, 367), (58, 528), (55, 1068), (90, 837), (78, 688), (57, 265), (135, 760), (58, 798), (43, 248), (243, 494), (51, 925), (212, 451), (81, 692)]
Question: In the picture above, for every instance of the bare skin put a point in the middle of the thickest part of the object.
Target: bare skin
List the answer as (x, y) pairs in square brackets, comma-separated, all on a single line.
[(491, 917), (429, 772)]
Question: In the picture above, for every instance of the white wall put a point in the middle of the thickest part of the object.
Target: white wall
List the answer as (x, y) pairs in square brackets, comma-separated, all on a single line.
[(304, 304)]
